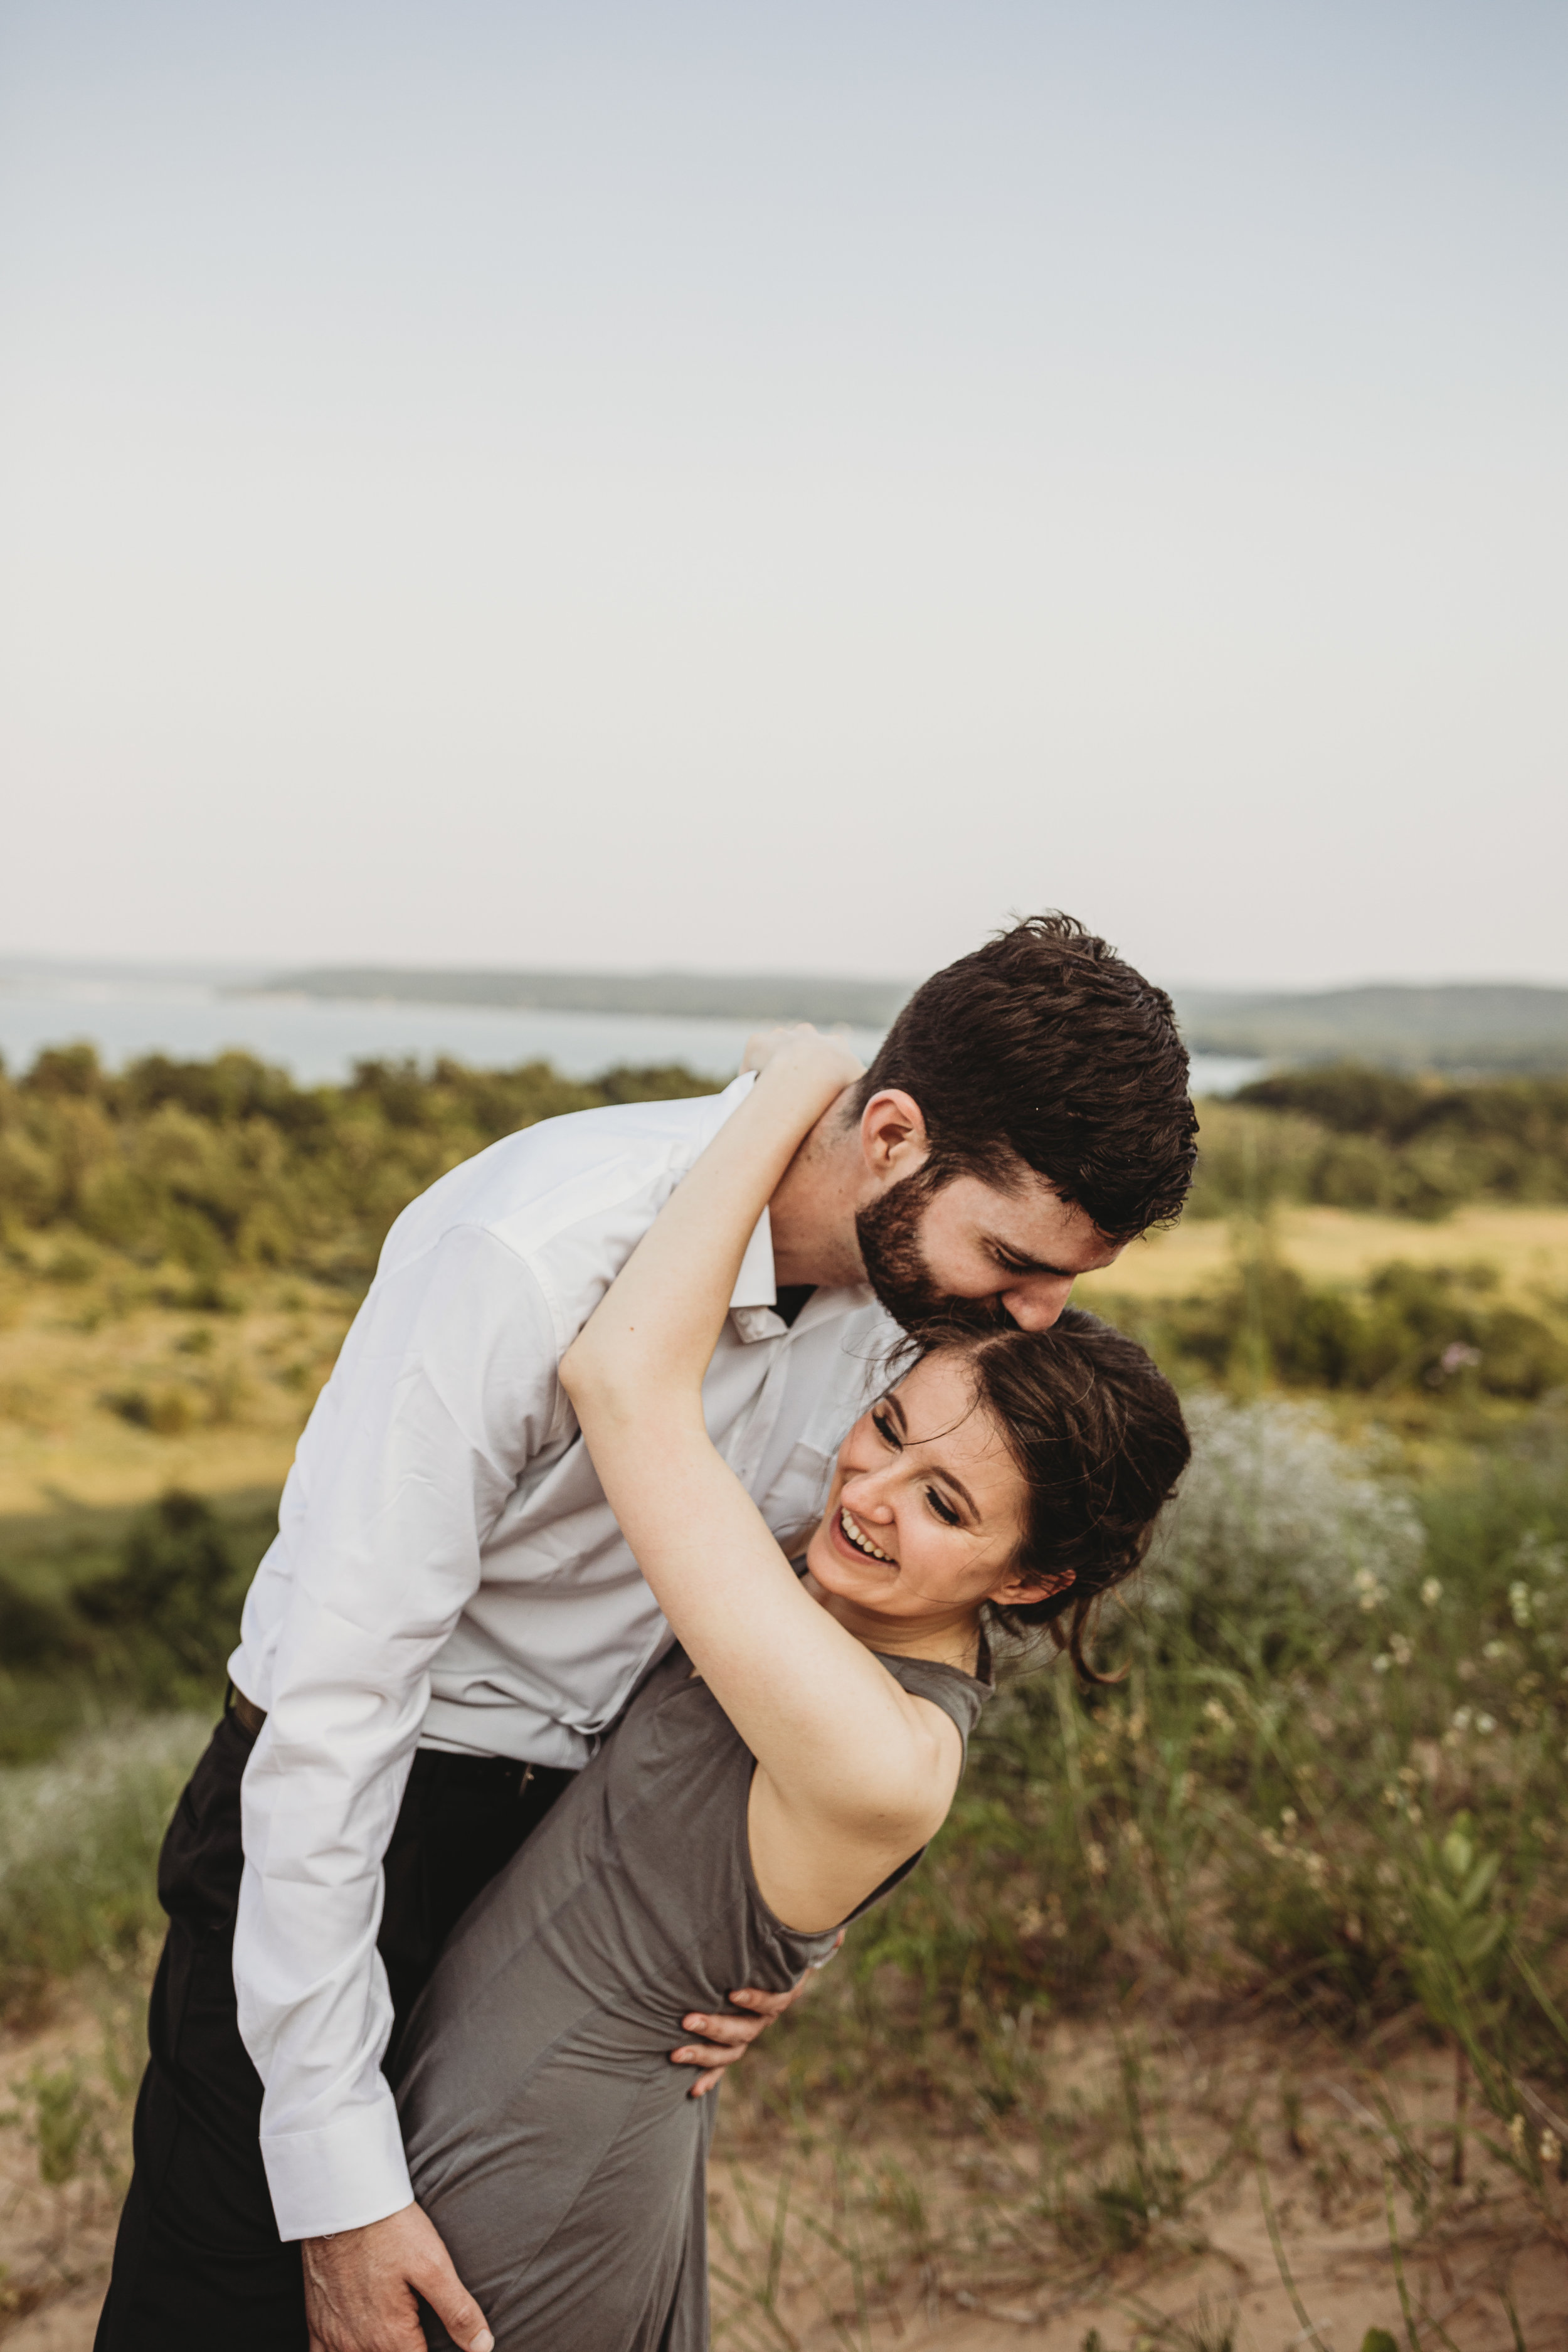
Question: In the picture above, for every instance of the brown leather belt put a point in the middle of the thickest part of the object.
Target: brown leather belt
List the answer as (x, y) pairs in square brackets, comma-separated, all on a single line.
[(246, 1712)]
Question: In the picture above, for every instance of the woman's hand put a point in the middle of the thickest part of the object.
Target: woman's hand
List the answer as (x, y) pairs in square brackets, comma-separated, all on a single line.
[(799, 1044)]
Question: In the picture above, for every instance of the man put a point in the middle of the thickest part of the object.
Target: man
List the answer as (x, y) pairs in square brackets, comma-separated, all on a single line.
[(449, 1618)]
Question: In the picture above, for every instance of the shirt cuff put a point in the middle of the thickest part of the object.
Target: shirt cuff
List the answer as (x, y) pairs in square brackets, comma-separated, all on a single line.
[(346, 2173)]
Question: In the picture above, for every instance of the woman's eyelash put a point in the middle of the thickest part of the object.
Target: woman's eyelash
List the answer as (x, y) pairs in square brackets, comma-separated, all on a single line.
[(943, 1508), (882, 1423)]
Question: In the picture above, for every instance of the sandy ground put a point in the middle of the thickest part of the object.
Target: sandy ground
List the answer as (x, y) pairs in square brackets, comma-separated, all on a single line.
[(913, 2237), (954, 2233)]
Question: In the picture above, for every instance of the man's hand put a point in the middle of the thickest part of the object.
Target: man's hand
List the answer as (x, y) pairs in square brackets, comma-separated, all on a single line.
[(360, 2289), (725, 2039)]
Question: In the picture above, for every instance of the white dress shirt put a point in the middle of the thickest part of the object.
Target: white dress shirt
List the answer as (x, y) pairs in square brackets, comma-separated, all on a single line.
[(447, 1573)]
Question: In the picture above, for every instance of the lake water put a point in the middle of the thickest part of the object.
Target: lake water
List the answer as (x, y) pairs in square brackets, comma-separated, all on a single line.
[(320, 1039)]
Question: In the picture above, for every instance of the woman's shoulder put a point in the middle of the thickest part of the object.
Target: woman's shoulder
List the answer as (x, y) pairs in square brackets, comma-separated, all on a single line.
[(958, 1694)]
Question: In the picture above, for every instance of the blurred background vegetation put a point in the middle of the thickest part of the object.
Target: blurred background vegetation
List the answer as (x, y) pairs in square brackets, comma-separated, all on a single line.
[(1331, 1791)]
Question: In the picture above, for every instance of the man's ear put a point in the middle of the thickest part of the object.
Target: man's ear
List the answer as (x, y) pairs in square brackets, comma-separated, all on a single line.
[(893, 1136), (1017, 1591)]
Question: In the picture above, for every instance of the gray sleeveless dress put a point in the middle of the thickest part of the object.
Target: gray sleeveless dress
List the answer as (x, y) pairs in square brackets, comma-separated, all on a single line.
[(551, 2141)]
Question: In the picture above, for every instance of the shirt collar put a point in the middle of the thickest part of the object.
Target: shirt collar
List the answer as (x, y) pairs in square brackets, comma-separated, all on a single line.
[(755, 1295), (755, 1285)]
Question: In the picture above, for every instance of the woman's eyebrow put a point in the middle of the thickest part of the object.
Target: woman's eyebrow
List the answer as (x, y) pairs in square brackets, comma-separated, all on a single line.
[(958, 1486)]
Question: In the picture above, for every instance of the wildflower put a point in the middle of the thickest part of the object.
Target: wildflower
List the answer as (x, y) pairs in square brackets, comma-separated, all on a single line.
[(1403, 1653), (1551, 2150), (1381, 1663), (1408, 1776), (1132, 1837), (1136, 1726), (1519, 1604), (1287, 1819), (1462, 1718), (1516, 2138), (1494, 1651), (1431, 1592), (1391, 1796), (1216, 1715), (1316, 1868), (1485, 1724), (1094, 1853)]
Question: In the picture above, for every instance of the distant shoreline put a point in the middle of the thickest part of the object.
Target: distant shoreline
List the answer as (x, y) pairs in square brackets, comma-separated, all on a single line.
[(1458, 1027)]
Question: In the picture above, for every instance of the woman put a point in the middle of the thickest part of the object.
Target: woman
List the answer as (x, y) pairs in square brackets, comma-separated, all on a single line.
[(775, 1774)]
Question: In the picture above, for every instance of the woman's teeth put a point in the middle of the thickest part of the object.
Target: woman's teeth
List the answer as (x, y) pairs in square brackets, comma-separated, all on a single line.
[(859, 1538)]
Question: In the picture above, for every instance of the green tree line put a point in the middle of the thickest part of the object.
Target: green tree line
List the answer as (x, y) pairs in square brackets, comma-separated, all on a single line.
[(1351, 1137), (229, 1163)]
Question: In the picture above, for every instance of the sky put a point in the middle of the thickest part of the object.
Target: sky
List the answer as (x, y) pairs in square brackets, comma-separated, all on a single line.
[(786, 486)]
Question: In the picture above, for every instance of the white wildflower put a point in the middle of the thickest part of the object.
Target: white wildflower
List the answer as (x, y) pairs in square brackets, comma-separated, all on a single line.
[(1431, 1592), (1273, 1507)]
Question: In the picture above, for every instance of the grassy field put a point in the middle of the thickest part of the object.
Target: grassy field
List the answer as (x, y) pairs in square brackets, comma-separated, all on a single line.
[(1231, 2008), (1527, 1248), (115, 1387)]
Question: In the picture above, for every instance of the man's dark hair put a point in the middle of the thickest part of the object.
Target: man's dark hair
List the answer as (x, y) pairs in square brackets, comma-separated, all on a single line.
[(1044, 1046)]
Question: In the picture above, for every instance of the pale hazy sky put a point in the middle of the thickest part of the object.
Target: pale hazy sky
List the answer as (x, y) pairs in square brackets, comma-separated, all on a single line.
[(783, 484)]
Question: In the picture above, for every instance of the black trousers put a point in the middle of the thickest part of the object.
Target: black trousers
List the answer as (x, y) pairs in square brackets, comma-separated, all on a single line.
[(198, 2260)]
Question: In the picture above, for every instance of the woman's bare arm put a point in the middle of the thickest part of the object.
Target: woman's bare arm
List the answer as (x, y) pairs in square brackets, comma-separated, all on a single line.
[(853, 1773)]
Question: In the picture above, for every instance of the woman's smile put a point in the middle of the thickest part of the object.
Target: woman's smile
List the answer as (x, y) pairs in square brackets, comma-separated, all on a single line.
[(854, 1538)]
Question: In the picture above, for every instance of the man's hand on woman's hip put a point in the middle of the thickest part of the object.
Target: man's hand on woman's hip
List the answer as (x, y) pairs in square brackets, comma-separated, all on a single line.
[(725, 2039), (361, 2287)]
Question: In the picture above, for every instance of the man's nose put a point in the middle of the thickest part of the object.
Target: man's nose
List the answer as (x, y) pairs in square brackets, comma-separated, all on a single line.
[(1034, 1306)]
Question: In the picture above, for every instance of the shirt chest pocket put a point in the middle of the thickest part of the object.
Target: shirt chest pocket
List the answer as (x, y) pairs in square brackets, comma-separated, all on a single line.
[(793, 1502)]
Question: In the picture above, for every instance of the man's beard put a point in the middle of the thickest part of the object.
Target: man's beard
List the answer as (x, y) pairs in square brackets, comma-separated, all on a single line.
[(888, 1232)]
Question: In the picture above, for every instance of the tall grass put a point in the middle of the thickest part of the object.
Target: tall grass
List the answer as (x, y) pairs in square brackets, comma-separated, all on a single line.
[(1332, 1784), (79, 1851)]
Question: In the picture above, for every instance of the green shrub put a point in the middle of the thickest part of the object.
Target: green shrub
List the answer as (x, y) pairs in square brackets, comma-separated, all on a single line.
[(172, 1586), (1434, 1328)]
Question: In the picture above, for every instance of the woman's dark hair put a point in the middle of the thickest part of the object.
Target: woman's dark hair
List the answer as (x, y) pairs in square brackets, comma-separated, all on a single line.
[(1097, 1431), (1043, 1047)]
